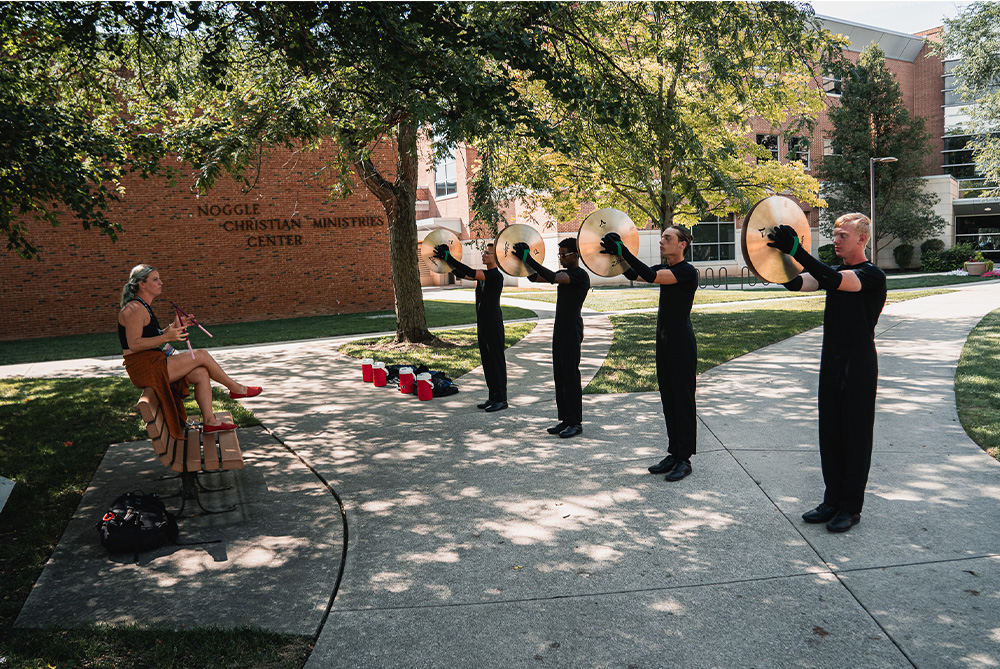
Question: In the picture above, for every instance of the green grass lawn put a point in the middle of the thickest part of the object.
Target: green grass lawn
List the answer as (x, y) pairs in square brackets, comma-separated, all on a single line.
[(53, 434), (977, 384), (648, 297), (454, 362), (439, 313), (723, 334), (645, 296)]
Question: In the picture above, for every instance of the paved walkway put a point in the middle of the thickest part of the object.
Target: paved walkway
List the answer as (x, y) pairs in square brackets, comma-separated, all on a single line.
[(478, 539)]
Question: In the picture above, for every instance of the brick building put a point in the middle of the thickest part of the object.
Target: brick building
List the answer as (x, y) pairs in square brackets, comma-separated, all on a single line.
[(279, 250)]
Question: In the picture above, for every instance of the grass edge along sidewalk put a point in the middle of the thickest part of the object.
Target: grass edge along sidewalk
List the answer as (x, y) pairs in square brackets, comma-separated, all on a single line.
[(129, 646), (51, 474), (438, 313), (977, 384)]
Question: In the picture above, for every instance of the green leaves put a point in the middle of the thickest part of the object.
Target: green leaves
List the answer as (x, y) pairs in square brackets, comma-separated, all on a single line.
[(662, 130)]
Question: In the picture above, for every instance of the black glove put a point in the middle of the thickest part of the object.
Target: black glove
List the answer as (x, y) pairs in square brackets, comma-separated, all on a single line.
[(785, 239), (611, 244), (630, 274), (441, 252), (523, 252)]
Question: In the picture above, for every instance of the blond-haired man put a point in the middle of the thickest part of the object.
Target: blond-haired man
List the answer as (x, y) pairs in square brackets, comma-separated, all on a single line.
[(848, 373)]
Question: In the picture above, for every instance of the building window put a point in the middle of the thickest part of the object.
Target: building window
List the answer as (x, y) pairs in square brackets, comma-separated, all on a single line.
[(831, 84), (769, 142), (980, 232), (714, 240), (829, 148), (445, 175), (798, 149)]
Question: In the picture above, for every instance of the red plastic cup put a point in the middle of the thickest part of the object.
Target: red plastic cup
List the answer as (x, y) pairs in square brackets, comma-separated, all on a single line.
[(378, 374), (366, 370), (425, 390), (406, 380)]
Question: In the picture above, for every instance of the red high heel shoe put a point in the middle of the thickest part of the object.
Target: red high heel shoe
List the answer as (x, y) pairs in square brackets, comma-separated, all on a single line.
[(222, 427), (252, 391)]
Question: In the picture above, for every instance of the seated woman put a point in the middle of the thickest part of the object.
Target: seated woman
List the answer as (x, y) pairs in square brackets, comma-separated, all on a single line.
[(149, 365)]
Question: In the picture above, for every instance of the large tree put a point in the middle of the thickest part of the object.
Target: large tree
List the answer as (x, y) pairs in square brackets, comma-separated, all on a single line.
[(690, 76), (64, 141), (871, 121), (974, 38), (246, 76)]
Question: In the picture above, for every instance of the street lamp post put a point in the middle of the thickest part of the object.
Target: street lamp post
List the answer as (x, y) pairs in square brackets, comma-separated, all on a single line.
[(871, 182)]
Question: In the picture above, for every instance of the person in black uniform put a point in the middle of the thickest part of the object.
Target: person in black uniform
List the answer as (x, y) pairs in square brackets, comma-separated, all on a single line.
[(489, 322), (567, 334), (848, 371), (676, 347)]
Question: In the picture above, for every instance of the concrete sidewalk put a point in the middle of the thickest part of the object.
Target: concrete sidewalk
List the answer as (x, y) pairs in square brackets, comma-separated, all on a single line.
[(478, 539)]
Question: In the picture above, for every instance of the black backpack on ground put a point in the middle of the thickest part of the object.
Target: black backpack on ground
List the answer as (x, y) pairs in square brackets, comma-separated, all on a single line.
[(137, 522)]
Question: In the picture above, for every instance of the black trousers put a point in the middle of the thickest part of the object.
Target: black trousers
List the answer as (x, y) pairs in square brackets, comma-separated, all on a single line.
[(566, 372), (490, 334), (846, 424), (676, 371)]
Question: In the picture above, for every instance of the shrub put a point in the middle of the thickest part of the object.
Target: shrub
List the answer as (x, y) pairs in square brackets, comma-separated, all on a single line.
[(826, 254), (957, 256), (933, 261), (931, 245), (903, 255), (945, 261)]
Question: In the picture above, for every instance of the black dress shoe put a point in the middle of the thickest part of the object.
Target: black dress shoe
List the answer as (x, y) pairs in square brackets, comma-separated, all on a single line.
[(843, 521), (663, 466), (571, 431), (820, 514), (496, 406), (483, 405), (556, 429), (680, 470)]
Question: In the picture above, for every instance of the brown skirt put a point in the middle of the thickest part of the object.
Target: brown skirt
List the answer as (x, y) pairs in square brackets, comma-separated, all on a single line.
[(148, 369)]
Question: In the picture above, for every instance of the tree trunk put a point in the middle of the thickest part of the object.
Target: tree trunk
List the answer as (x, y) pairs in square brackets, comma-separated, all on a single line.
[(399, 201), (411, 322)]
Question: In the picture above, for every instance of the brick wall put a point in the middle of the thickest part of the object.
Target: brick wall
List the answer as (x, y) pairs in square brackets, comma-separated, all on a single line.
[(280, 250)]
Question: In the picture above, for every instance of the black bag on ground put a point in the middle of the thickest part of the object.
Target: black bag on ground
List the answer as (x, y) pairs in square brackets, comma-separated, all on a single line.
[(442, 385), (137, 522)]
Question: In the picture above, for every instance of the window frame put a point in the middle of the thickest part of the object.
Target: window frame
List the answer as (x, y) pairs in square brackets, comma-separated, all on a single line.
[(775, 152), (449, 187), (716, 246)]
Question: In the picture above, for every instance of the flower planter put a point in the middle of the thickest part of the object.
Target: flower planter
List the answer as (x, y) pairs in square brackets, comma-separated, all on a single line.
[(975, 268)]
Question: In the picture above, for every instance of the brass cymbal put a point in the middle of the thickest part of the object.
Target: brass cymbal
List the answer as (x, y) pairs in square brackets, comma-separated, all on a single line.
[(503, 248), (593, 229), (435, 238), (765, 261)]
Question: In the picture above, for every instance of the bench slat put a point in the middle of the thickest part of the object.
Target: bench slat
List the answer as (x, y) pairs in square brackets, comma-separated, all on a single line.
[(210, 450), (229, 445), (156, 428), (148, 405), (193, 449)]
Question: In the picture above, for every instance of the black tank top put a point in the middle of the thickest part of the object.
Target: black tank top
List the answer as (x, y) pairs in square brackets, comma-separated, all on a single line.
[(152, 329)]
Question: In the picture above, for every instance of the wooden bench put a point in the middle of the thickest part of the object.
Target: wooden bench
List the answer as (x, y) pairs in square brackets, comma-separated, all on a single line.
[(196, 453)]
